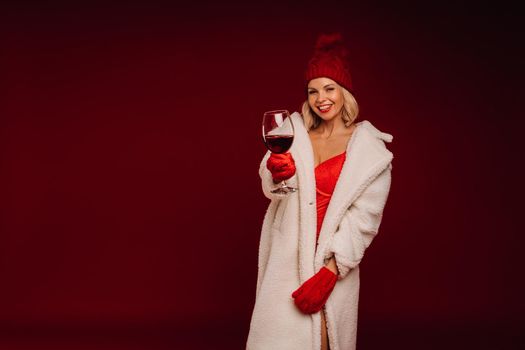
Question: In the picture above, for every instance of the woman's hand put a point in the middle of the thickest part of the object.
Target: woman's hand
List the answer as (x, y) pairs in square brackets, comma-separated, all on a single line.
[(312, 295), (332, 265), (282, 166)]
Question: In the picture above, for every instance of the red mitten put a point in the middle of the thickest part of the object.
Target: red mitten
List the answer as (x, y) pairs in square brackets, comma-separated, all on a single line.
[(312, 295), (282, 166)]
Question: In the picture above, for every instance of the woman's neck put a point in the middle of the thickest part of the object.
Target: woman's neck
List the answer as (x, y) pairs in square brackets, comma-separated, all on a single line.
[(330, 128)]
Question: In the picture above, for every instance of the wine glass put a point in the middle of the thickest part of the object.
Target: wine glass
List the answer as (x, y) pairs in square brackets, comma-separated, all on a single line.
[(278, 134)]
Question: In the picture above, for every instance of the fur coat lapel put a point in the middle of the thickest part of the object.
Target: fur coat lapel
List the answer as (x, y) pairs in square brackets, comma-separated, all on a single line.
[(366, 158)]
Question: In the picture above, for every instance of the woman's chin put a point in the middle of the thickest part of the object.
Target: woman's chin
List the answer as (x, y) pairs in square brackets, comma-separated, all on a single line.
[(328, 117)]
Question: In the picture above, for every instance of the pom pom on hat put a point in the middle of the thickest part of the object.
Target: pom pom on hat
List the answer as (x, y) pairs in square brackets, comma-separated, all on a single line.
[(330, 60), (330, 42)]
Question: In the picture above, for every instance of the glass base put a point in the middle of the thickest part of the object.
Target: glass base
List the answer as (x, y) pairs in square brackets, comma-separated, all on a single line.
[(284, 189)]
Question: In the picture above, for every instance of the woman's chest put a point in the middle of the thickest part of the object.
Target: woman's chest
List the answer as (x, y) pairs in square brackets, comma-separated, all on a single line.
[(326, 149)]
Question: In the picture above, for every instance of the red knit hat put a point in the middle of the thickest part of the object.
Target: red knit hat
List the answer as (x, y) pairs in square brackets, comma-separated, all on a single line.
[(330, 60)]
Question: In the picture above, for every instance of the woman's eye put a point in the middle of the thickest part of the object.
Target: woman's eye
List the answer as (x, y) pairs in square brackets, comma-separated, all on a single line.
[(329, 89), (311, 92)]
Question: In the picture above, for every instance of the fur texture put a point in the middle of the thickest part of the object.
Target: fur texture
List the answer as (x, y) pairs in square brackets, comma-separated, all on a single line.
[(288, 255)]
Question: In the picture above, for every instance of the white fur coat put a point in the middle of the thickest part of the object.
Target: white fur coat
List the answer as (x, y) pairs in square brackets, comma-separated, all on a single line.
[(288, 255)]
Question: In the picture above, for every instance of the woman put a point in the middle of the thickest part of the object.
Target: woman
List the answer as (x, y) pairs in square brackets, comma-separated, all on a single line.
[(313, 240)]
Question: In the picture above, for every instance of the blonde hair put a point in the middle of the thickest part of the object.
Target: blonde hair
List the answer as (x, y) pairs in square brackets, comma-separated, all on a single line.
[(349, 111)]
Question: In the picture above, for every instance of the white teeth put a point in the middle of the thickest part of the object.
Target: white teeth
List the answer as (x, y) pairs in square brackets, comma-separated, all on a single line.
[(323, 108)]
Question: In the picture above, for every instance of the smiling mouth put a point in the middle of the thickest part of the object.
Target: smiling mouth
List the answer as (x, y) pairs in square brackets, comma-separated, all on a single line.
[(324, 108)]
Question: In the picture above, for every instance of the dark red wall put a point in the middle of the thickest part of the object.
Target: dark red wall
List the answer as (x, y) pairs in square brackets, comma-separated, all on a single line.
[(129, 147)]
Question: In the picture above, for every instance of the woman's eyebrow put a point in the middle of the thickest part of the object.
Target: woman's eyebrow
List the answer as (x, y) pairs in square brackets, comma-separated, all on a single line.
[(324, 87)]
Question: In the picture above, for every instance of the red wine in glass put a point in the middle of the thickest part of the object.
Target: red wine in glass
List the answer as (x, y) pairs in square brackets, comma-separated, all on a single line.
[(279, 143), (278, 135)]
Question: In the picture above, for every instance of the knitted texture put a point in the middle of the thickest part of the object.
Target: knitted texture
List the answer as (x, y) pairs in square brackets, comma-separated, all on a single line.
[(313, 293), (330, 60), (282, 166)]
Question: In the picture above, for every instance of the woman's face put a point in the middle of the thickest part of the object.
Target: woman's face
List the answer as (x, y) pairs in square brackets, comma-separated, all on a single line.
[(325, 97)]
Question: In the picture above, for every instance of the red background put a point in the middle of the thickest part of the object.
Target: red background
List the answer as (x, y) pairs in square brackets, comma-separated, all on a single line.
[(129, 147)]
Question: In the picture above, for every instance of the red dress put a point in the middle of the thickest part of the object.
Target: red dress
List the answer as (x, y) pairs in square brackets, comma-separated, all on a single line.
[(326, 175)]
